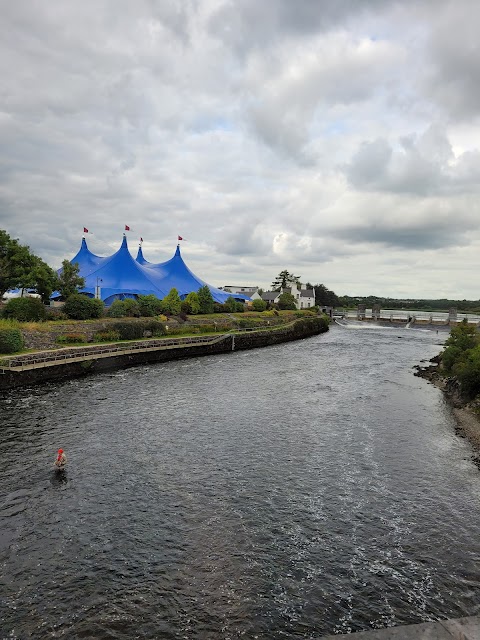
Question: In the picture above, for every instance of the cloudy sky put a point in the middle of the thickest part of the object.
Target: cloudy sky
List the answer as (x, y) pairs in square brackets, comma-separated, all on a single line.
[(337, 139)]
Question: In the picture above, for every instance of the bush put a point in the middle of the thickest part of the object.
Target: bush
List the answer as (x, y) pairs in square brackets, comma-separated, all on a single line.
[(25, 309), (81, 307), (205, 300), (259, 305), (140, 329), (171, 303), (106, 336), (132, 308), (191, 304), (53, 316), (11, 338), (149, 306), (71, 338), (117, 309)]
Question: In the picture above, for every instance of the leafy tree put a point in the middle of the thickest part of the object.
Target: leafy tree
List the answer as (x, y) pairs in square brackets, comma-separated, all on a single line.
[(230, 304), (323, 296), (286, 301), (149, 305), (191, 304), (132, 308), (19, 268), (259, 305), (172, 303), (25, 309), (205, 299), (81, 307), (285, 279), (68, 280), (117, 309)]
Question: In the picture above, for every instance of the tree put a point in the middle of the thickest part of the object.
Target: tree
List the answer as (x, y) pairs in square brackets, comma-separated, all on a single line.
[(149, 305), (81, 307), (259, 305), (323, 296), (286, 301), (285, 279), (230, 304), (205, 299), (172, 303), (191, 304), (21, 269), (68, 280)]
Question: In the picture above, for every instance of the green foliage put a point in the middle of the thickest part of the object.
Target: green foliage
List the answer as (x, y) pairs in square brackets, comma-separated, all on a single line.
[(72, 338), (467, 371), (205, 300), (230, 305), (285, 279), (68, 280), (286, 301), (149, 306), (117, 309), (135, 330), (191, 304), (106, 336), (464, 336), (171, 303), (19, 268), (323, 296), (132, 308), (259, 305), (25, 309), (81, 307), (11, 338)]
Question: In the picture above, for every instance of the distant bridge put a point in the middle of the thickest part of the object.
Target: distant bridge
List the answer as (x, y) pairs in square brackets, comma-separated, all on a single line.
[(408, 317)]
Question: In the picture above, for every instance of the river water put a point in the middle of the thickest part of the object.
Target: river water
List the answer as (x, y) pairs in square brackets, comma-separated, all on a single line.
[(289, 492)]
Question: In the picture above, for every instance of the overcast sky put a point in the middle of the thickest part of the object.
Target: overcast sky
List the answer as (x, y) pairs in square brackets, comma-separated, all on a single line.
[(337, 139)]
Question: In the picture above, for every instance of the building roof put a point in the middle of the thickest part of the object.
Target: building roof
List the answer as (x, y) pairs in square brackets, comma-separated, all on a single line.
[(269, 296)]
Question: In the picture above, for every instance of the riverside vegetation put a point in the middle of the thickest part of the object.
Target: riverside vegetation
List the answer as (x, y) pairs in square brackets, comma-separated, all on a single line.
[(457, 372), (26, 325)]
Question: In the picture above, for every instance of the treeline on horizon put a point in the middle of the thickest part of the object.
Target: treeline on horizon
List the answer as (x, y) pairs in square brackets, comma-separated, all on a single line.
[(441, 304)]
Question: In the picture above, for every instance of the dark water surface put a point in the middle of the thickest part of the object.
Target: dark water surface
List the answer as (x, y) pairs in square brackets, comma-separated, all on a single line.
[(308, 488)]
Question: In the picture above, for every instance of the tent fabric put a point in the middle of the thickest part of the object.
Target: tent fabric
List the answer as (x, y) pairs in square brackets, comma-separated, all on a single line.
[(87, 260), (174, 273), (121, 276)]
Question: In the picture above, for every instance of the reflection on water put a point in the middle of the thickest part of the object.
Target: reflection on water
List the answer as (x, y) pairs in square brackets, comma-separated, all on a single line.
[(309, 488)]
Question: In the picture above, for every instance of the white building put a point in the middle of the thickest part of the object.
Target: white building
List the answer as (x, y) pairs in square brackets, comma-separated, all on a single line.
[(304, 298)]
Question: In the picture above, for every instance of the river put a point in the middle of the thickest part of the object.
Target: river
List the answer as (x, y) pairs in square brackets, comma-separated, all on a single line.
[(289, 492)]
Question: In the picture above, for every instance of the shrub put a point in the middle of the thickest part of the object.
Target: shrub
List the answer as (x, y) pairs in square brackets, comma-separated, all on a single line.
[(117, 309), (171, 303), (106, 336), (259, 305), (53, 316), (140, 329), (71, 338), (191, 304), (11, 338), (25, 309), (218, 308), (149, 306), (80, 307), (205, 300), (132, 308)]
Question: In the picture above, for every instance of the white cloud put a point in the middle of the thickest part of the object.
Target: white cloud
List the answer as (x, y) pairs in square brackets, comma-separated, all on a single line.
[(325, 138)]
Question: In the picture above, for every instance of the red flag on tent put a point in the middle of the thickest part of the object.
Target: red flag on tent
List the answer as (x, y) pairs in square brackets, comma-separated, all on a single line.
[(85, 230), (180, 238), (141, 239), (127, 228)]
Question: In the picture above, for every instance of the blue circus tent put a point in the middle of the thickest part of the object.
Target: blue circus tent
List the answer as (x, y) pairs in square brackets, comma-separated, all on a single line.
[(87, 260), (120, 276), (174, 273)]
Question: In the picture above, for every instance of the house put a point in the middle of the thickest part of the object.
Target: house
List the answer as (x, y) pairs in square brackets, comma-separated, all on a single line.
[(304, 298), (247, 291)]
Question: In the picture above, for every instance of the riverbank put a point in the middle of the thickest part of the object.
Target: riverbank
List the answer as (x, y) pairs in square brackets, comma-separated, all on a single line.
[(61, 364), (467, 414)]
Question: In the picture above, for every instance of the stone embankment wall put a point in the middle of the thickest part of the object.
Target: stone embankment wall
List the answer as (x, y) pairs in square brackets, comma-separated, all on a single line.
[(229, 342)]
